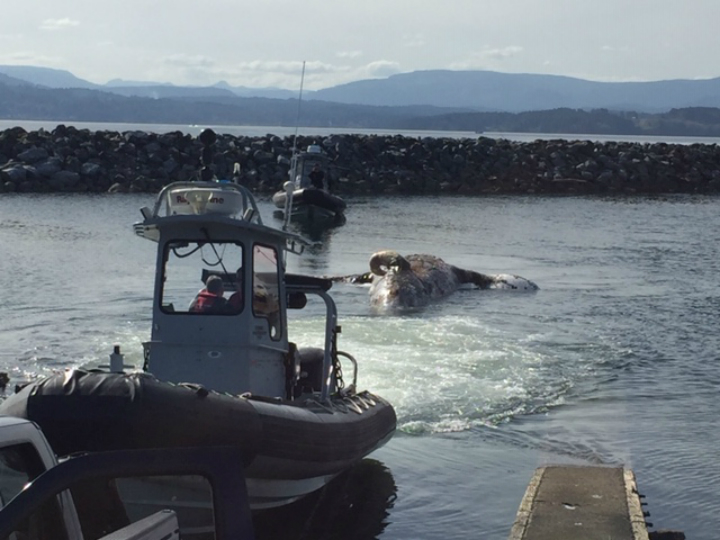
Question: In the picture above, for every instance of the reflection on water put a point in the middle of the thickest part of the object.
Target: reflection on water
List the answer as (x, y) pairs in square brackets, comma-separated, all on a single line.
[(320, 234), (354, 506), (316, 231)]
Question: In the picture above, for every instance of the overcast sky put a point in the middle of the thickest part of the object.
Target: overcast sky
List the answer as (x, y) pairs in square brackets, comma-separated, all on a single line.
[(264, 42)]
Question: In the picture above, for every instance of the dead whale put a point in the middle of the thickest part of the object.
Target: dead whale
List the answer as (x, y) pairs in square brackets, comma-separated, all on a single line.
[(400, 282)]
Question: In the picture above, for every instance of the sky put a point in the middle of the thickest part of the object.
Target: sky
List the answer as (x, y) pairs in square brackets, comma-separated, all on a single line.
[(264, 43)]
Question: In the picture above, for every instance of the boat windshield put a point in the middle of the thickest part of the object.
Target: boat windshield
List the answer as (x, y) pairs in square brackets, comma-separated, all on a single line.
[(203, 277), (209, 278), (266, 292)]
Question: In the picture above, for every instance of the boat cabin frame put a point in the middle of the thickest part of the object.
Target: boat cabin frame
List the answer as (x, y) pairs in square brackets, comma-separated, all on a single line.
[(208, 230)]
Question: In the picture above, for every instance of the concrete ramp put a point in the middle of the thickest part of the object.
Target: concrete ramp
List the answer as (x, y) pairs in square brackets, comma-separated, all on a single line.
[(580, 503)]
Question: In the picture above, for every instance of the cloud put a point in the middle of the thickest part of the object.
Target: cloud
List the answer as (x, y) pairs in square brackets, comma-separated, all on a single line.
[(349, 54), (614, 49), (286, 67), (381, 68), (488, 57), (188, 61), (27, 58), (317, 74), (58, 24), (286, 74), (271, 66), (201, 70), (413, 41)]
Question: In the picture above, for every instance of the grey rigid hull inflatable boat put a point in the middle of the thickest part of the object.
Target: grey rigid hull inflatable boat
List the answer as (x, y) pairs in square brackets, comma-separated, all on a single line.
[(219, 368)]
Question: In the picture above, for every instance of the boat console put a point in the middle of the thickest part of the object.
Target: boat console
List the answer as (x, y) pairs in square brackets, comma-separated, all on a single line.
[(212, 230)]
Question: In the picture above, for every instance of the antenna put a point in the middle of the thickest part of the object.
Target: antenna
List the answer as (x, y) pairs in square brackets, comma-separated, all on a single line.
[(297, 120), (289, 186)]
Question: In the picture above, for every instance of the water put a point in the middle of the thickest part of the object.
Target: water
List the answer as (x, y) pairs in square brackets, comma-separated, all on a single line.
[(284, 131), (248, 131), (614, 361)]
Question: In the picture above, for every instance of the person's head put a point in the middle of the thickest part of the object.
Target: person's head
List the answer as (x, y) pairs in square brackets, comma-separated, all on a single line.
[(214, 285), (316, 167)]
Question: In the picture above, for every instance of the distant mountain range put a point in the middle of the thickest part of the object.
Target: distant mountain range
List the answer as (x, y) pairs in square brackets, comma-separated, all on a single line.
[(481, 100), (505, 92), (60, 79)]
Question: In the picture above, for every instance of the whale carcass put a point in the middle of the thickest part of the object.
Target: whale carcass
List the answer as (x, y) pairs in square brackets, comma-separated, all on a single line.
[(400, 282)]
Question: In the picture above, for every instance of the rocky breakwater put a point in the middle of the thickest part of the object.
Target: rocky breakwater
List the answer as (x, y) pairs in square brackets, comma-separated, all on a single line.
[(67, 159)]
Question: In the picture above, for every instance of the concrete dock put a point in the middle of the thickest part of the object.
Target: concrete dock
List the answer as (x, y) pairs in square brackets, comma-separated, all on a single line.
[(580, 503)]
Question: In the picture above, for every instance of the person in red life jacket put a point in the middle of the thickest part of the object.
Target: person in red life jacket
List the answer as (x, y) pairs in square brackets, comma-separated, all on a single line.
[(235, 302), (210, 299)]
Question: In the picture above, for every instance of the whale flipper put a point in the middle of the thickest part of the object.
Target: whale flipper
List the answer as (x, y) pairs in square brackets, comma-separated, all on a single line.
[(360, 279), (512, 282)]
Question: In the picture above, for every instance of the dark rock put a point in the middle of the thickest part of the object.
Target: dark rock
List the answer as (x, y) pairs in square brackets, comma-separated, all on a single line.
[(27, 187), (90, 169), (33, 155), (262, 157), (14, 174), (140, 161), (117, 187), (64, 181), (49, 167)]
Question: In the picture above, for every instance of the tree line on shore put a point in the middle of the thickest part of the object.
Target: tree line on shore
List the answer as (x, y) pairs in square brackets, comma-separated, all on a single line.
[(83, 105), (689, 122)]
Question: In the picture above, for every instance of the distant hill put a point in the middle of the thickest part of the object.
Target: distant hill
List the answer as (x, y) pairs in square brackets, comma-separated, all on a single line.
[(122, 83), (425, 100), (6, 80), (482, 91), (506, 92), (86, 105), (51, 78), (245, 91), (56, 78), (169, 91)]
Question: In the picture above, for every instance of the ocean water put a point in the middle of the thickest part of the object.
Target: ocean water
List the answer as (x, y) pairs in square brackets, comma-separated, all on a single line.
[(615, 360), (249, 131), (285, 131)]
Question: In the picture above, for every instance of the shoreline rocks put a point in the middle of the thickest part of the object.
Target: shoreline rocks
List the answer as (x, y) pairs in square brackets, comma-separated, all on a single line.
[(67, 159)]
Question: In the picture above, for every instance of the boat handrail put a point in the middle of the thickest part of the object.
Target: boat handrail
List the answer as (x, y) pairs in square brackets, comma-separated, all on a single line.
[(303, 282), (331, 328), (355, 366)]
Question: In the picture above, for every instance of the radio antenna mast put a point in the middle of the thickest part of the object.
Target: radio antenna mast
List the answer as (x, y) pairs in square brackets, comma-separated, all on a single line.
[(297, 120), (290, 185)]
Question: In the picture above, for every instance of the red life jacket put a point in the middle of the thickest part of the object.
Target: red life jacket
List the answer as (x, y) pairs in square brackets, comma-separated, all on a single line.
[(207, 302)]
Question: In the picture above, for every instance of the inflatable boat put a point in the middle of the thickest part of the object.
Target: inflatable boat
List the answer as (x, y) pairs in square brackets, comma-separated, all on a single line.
[(306, 198), (220, 368)]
